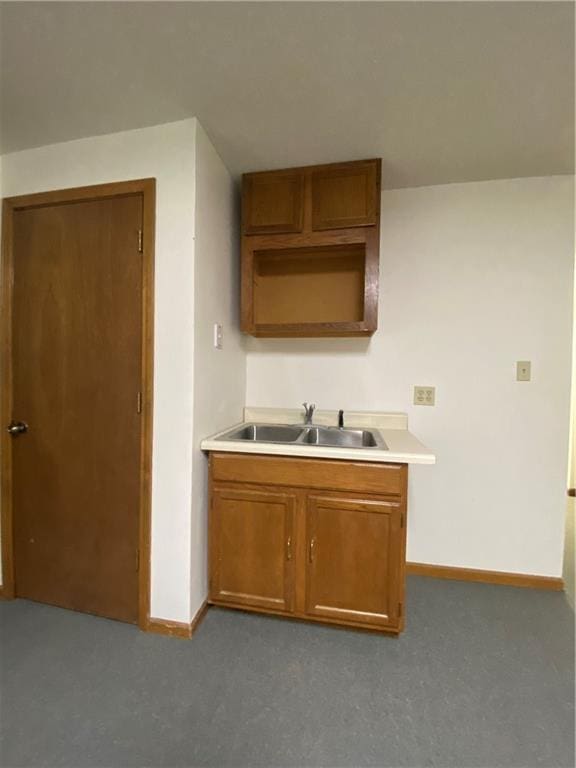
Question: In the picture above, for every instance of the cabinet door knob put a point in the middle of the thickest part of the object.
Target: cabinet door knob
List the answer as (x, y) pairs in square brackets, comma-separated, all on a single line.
[(289, 548), (312, 545), (17, 428)]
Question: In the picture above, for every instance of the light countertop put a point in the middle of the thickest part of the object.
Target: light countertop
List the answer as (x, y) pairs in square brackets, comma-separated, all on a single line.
[(403, 446)]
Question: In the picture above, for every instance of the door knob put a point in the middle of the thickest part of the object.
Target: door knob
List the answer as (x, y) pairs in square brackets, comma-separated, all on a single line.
[(17, 428)]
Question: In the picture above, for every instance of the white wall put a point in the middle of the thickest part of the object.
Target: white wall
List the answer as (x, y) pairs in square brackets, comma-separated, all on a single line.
[(473, 277), (167, 153), (219, 374)]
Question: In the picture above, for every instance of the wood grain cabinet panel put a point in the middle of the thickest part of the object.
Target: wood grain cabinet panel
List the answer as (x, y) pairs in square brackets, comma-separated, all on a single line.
[(326, 474), (353, 562), (272, 203), (345, 196), (251, 548)]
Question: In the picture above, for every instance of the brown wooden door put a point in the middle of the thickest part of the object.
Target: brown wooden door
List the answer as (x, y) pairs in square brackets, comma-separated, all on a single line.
[(252, 548), (353, 567), (77, 335)]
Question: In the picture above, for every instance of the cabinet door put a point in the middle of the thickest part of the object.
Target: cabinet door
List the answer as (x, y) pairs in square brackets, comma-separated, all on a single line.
[(354, 560), (272, 203), (251, 562), (346, 195)]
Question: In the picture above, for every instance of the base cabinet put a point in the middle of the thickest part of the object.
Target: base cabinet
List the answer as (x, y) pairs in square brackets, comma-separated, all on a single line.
[(313, 539)]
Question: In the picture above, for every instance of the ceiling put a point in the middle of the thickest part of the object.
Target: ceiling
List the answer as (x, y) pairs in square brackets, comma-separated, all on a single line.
[(443, 92)]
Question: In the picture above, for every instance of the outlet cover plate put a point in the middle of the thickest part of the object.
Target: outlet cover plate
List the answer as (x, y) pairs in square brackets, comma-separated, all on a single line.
[(424, 395), (523, 370)]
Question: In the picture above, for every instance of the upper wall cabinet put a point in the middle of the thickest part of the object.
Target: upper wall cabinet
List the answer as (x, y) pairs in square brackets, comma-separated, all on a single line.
[(310, 250)]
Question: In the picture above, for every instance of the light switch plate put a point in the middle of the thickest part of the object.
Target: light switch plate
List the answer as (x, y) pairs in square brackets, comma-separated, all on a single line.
[(424, 395), (218, 336), (523, 370)]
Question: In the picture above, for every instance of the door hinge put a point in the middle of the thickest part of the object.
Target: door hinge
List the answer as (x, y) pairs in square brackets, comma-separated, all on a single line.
[(399, 610), (137, 560), (140, 241), (402, 520), (139, 403)]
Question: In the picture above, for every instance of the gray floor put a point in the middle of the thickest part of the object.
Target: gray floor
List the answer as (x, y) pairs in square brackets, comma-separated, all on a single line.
[(483, 676)]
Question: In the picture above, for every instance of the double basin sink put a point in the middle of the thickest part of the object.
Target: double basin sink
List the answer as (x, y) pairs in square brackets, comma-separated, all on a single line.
[(306, 435)]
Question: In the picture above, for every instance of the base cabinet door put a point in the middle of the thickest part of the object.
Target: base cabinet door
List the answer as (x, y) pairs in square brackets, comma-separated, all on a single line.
[(354, 568), (251, 548)]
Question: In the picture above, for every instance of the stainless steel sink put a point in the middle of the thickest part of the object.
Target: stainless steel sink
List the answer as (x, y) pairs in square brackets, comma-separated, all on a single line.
[(265, 433), (341, 438), (305, 435)]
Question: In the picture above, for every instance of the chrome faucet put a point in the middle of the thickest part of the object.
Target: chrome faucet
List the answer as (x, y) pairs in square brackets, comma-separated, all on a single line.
[(308, 413)]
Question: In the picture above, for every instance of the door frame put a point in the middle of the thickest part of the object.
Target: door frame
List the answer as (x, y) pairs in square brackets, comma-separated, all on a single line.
[(147, 189)]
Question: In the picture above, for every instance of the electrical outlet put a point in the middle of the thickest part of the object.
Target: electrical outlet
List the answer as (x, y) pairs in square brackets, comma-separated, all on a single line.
[(218, 336), (523, 370), (424, 395)]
